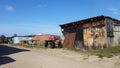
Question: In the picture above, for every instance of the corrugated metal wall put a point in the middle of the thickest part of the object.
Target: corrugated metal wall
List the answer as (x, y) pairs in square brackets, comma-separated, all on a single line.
[(95, 37), (69, 40), (117, 35)]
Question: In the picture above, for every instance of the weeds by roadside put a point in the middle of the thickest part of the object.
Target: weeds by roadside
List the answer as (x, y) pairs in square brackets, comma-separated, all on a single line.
[(35, 46), (39, 45), (106, 52), (72, 48)]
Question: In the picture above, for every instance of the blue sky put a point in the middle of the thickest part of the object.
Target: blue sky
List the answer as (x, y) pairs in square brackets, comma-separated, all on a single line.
[(24, 17)]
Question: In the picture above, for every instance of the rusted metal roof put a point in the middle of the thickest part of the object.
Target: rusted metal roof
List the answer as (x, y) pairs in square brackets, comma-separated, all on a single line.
[(88, 20)]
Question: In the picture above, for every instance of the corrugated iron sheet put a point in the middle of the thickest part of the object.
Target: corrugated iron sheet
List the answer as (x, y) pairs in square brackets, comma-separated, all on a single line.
[(69, 40)]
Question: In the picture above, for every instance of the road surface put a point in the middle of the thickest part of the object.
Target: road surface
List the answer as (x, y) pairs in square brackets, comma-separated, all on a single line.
[(51, 58)]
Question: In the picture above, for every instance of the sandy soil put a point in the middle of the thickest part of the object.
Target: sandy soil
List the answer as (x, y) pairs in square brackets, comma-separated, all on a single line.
[(58, 58)]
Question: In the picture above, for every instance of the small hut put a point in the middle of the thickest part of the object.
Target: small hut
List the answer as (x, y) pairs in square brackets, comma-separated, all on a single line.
[(96, 32)]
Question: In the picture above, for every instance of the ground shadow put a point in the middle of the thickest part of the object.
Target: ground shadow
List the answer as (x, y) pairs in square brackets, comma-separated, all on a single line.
[(7, 50), (5, 60)]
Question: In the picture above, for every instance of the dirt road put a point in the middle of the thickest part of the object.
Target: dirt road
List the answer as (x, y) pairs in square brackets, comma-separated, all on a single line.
[(56, 58)]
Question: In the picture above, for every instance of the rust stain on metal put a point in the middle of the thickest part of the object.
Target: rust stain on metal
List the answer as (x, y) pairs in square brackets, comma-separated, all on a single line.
[(69, 40)]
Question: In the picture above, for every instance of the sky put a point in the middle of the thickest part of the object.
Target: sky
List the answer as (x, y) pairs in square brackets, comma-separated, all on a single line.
[(26, 17)]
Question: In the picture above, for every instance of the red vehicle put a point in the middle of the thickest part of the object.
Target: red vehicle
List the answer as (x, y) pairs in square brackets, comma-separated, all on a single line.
[(53, 40)]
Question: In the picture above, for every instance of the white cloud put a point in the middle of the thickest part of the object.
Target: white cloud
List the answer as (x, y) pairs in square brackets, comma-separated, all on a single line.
[(9, 8), (113, 10)]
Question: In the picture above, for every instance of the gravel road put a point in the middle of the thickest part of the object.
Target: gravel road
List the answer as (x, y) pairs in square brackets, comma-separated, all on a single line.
[(52, 58)]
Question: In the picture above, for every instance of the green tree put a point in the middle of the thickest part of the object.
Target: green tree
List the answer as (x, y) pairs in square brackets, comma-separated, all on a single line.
[(2, 39)]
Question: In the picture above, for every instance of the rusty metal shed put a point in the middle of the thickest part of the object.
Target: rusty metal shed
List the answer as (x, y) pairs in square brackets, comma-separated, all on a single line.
[(95, 32)]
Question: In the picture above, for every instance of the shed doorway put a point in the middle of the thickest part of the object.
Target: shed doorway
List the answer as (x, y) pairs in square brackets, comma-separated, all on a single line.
[(69, 40)]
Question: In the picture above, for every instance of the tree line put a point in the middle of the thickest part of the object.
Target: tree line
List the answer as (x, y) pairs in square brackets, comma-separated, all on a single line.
[(3, 39)]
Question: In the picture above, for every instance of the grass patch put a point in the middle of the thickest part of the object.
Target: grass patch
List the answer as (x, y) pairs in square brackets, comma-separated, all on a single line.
[(106, 52), (72, 48), (33, 46), (15, 44), (38, 45)]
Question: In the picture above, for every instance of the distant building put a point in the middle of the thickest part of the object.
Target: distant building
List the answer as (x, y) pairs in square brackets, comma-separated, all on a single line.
[(96, 32), (41, 37), (18, 39)]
